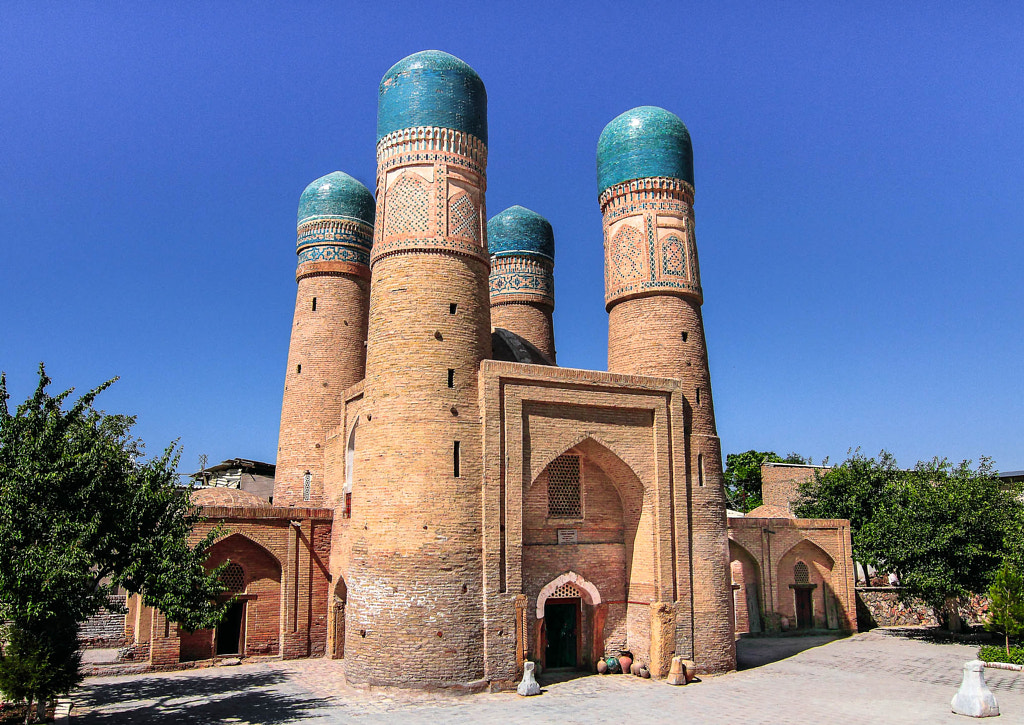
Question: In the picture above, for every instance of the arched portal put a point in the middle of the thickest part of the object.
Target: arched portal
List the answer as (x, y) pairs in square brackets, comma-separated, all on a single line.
[(588, 535), (805, 593), (350, 466), (746, 588)]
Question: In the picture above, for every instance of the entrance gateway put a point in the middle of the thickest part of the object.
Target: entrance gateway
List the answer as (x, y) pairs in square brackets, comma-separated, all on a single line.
[(562, 620)]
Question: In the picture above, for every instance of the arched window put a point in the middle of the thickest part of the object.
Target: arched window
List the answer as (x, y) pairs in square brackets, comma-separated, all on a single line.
[(564, 500), (801, 574), (350, 455), (233, 578)]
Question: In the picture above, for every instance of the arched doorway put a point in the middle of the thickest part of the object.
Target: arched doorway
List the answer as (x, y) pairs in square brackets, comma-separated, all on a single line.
[(566, 609), (805, 594), (230, 633), (746, 588)]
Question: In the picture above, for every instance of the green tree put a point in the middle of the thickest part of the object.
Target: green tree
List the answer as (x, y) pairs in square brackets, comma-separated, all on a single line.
[(942, 529), (743, 476), (81, 513), (1006, 603)]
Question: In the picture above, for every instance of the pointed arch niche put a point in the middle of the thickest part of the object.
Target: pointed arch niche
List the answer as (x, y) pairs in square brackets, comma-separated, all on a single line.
[(806, 593)]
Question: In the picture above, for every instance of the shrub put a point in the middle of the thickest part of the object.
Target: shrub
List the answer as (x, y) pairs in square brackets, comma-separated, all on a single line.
[(995, 653)]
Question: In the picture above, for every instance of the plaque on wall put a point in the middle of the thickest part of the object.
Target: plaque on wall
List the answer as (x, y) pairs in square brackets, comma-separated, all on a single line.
[(567, 536)]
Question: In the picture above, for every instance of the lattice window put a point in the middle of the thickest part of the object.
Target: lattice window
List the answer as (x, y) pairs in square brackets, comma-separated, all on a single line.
[(673, 256), (566, 591), (564, 487), (407, 210), (801, 574), (233, 578), (307, 485), (627, 252), (463, 218)]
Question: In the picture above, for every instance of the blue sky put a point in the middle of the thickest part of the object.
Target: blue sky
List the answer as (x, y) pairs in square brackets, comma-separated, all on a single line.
[(859, 199)]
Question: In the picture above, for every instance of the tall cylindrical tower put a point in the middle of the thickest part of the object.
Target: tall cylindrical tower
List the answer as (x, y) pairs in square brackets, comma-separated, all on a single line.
[(326, 354), (653, 296), (415, 583), (522, 248)]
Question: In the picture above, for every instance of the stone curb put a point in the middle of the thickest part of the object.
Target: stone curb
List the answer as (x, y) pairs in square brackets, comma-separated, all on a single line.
[(1005, 666)]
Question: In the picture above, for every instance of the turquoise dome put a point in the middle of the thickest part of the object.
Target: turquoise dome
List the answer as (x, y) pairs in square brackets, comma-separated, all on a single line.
[(642, 142), (519, 231), (337, 195), (432, 88)]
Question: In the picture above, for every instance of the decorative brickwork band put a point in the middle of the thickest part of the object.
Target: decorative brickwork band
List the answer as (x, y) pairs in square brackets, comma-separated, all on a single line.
[(518, 280), (440, 169), (333, 245), (649, 240)]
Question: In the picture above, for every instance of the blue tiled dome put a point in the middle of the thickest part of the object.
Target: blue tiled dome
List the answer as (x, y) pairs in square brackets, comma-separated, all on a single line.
[(432, 88), (337, 195), (518, 230), (642, 142)]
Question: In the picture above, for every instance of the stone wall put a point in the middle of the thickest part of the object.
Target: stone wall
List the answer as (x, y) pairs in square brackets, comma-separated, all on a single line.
[(106, 628), (882, 607)]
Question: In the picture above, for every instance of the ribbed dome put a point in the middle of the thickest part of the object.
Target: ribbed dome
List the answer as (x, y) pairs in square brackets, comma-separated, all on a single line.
[(337, 195), (432, 88), (643, 142), (222, 496), (518, 230)]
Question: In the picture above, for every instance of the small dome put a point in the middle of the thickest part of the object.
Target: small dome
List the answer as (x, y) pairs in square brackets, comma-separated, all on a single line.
[(337, 195), (643, 142), (518, 230), (221, 496), (432, 88)]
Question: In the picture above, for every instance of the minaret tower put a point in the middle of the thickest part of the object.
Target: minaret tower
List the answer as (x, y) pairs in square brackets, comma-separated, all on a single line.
[(653, 296), (522, 248), (415, 589), (326, 354)]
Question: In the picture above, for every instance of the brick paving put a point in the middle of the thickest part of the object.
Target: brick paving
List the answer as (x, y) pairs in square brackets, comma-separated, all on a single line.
[(875, 677)]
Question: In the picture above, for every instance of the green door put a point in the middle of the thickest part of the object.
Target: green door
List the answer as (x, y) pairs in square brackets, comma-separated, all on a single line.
[(562, 624)]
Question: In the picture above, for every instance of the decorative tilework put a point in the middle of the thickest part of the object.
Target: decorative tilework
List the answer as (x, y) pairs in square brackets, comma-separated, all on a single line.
[(521, 279), (644, 142), (432, 88), (331, 253), (407, 201), (463, 219), (337, 195), (673, 256), (626, 253), (332, 229)]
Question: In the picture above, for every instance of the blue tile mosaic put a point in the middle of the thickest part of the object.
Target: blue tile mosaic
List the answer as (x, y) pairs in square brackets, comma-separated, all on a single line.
[(337, 195), (432, 88), (519, 231), (642, 142)]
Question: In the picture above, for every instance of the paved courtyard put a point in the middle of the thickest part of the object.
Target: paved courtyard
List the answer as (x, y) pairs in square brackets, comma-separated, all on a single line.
[(875, 677)]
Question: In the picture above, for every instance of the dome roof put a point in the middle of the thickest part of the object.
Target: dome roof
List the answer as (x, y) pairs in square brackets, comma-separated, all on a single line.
[(221, 496), (432, 88), (518, 230), (337, 195), (643, 142)]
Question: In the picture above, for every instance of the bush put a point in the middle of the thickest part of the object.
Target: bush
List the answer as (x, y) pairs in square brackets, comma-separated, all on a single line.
[(995, 653)]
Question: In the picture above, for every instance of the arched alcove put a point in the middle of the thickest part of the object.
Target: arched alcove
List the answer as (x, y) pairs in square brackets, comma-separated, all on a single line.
[(805, 597), (746, 586)]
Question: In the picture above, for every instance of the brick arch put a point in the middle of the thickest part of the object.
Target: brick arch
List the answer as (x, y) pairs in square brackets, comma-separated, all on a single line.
[(588, 591), (350, 450), (254, 539), (810, 551), (580, 441)]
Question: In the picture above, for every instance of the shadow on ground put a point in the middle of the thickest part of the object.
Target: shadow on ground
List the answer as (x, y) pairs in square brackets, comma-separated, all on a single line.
[(936, 635), (236, 698), (754, 652)]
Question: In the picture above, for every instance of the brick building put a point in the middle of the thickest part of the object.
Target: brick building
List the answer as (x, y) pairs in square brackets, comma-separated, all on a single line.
[(448, 502)]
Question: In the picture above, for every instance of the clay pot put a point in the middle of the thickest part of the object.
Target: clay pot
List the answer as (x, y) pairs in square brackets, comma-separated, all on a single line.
[(634, 669), (690, 670), (602, 667), (613, 665), (625, 662), (644, 672)]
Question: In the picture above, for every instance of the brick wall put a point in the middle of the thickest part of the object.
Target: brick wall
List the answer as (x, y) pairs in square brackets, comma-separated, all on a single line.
[(105, 628), (780, 483)]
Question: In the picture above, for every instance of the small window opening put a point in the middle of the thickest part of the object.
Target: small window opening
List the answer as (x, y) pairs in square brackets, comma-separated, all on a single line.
[(451, 377), (700, 469), (456, 456), (801, 574), (307, 485), (684, 335), (564, 499), (453, 308), (314, 304), (298, 368), (348, 504), (698, 396)]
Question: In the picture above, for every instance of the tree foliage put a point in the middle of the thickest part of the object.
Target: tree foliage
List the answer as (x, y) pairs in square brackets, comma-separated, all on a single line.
[(743, 476), (1006, 603), (83, 512), (942, 529)]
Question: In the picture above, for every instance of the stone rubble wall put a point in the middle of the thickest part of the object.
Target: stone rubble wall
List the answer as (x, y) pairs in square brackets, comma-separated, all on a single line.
[(881, 607)]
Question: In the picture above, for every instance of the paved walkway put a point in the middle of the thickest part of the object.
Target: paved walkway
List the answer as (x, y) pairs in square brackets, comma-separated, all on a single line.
[(874, 677)]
